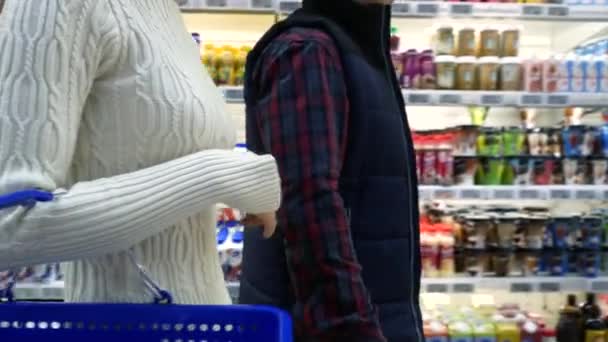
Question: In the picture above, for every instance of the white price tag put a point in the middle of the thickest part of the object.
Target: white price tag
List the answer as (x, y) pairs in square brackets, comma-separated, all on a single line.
[(558, 11), (504, 194), (289, 6), (437, 288), (531, 100), (585, 194), (217, 3), (521, 287), (600, 286), (549, 287), (461, 9), (445, 194), (531, 11), (427, 9), (418, 99), (234, 95), (558, 100), (450, 99), (401, 9), (463, 288), (560, 194), (529, 194), (471, 194), (491, 100), (261, 3)]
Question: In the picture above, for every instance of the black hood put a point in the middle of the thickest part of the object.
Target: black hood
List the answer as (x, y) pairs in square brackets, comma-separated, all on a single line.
[(368, 25)]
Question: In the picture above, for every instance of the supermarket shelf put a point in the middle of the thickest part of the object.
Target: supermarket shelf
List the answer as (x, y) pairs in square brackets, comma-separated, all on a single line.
[(431, 9), (515, 284), (422, 9), (52, 291), (450, 98), (503, 99), (553, 192), (228, 6), (55, 291)]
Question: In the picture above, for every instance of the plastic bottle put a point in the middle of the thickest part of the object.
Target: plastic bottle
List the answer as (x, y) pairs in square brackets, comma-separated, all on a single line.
[(460, 331), (530, 332), (484, 332), (395, 39), (446, 250), (569, 325), (589, 308), (411, 72), (507, 332), (208, 57), (548, 335), (595, 330), (435, 331)]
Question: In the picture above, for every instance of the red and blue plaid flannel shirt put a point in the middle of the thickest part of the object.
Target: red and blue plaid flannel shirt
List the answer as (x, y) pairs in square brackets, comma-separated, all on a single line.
[(302, 119)]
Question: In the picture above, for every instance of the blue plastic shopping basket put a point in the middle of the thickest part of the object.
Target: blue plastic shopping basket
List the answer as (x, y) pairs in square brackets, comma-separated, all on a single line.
[(37, 322)]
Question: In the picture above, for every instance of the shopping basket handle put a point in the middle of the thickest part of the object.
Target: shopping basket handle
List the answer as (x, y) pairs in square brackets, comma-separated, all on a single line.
[(25, 198)]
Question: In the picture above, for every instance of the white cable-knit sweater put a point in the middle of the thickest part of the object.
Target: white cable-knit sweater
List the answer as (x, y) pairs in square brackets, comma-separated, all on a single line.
[(107, 99)]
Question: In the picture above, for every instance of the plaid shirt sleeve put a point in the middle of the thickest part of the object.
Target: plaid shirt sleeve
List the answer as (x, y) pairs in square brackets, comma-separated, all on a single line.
[(302, 116)]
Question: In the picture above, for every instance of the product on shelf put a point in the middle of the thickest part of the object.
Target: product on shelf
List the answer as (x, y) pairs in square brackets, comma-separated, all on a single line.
[(411, 70), (427, 70), (489, 42), (465, 73), (226, 64), (444, 40), (446, 71), (509, 42), (505, 241), (488, 73), (532, 81), (466, 42), (510, 74)]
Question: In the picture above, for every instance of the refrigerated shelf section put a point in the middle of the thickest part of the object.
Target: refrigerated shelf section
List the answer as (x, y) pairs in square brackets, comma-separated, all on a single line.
[(452, 98), (506, 192), (463, 285), (432, 9), (230, 6)]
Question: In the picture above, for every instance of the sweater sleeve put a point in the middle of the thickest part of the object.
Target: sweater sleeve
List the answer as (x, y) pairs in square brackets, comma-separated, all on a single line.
[(51, 53)]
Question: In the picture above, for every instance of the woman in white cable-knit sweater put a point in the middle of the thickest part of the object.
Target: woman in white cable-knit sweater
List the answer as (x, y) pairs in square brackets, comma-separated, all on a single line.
[(105, 103)]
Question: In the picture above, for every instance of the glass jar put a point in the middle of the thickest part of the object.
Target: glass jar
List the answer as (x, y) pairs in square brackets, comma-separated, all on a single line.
[(489, 42), (465, 73), (488, 73), (510, 74), (446, 71), (466, 42), (444, 40)]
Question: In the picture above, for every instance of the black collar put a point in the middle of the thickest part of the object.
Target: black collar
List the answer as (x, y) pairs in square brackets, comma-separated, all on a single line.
[(367, 25)]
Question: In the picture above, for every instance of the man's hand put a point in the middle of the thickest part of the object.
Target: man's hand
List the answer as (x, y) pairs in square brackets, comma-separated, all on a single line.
[(268, 221)]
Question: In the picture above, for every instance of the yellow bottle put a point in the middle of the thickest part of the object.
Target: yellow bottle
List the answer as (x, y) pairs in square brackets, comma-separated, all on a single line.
[(224, 63), (207, 58), (239, 65)]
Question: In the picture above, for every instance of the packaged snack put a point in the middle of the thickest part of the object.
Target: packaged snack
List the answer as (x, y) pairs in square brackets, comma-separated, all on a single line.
[(589, 264), (510, 75), (489, 42), (239, 65), (538, 141), (550, 74), (446, 250), (411, 72), (484, 331), (519, 171), (445, 161), (466, 42), (488, 73), (465, 169), (429, 251), (208, 59), (490, 142), (554, 142), (435, 331), (491, 171), (589, 74), (591, 232), (563, 230), (446, 71), (514, 140), (600, 171), (397, 59), (427, 70), (532, 75), (460, 331), (507, 332), (465, 73), (574, 140), (444, 40), (509, 42), (465, 140), (429, 165), (535, 226), (543, 171), (576, 171)]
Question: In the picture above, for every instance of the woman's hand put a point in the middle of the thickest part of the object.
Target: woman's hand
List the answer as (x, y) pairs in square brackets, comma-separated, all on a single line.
[(268, 221)]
